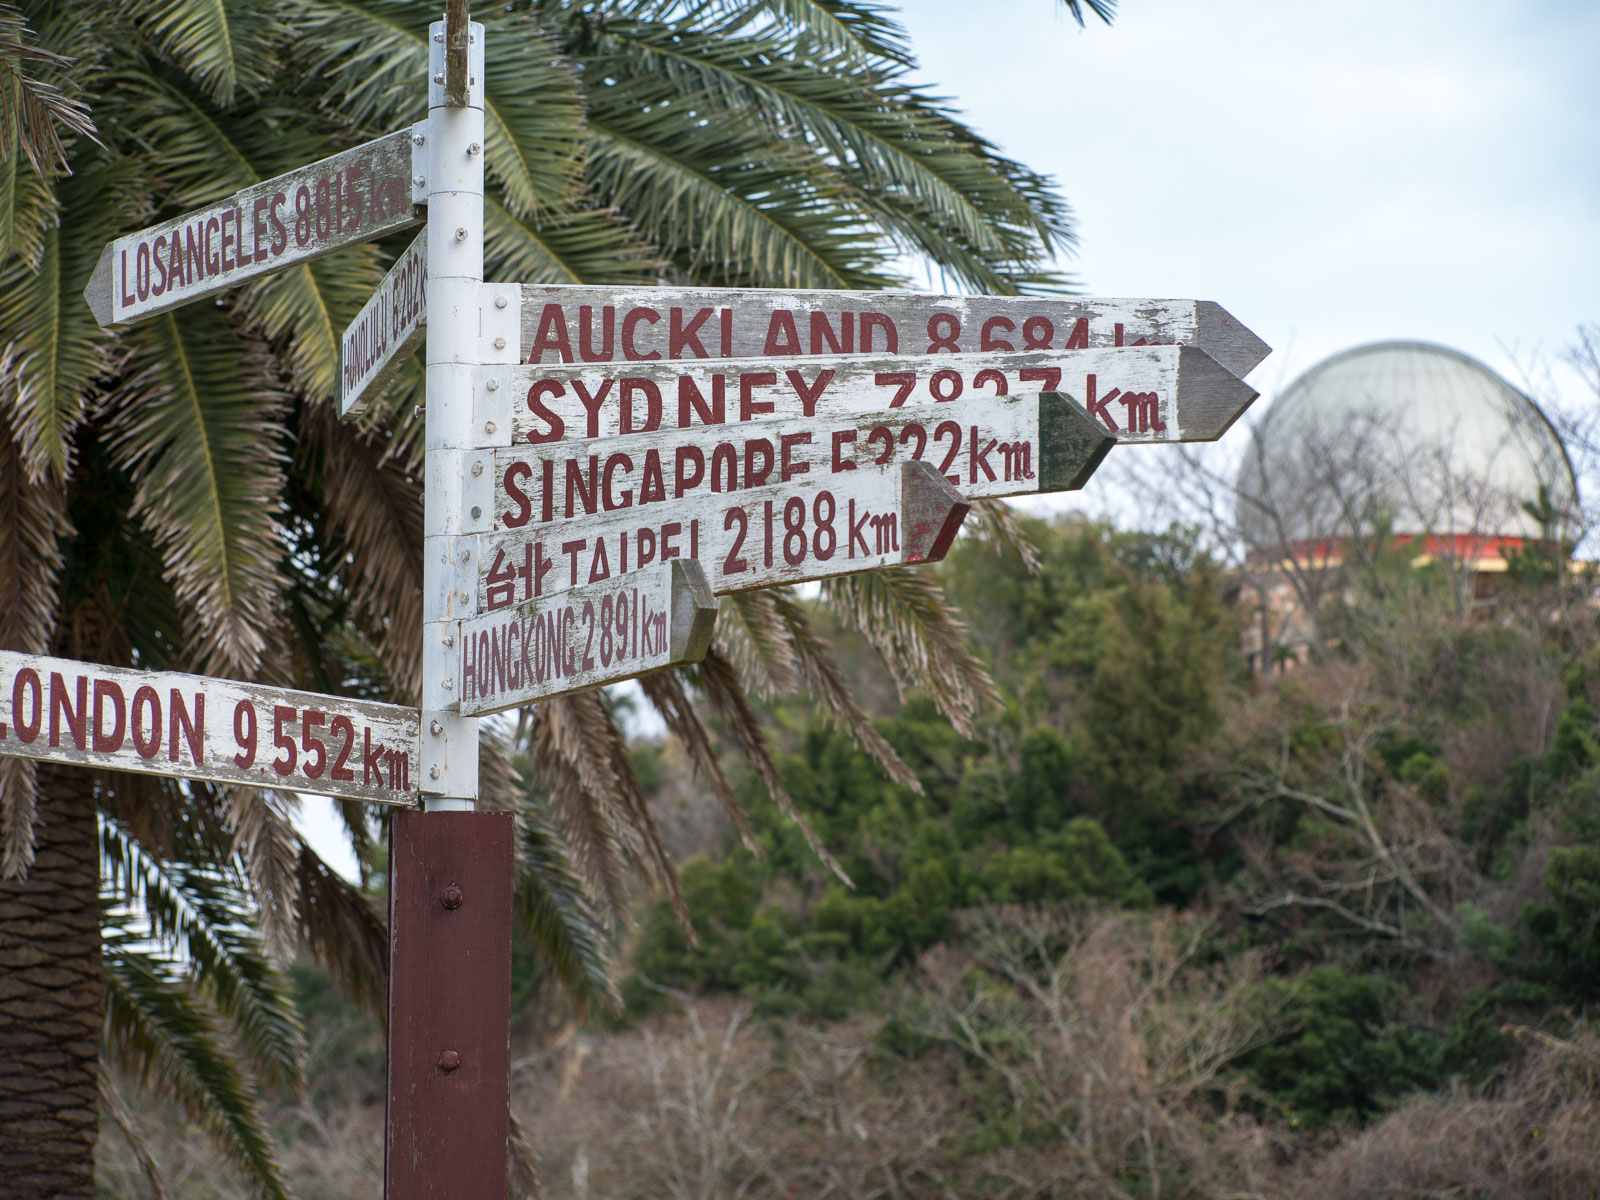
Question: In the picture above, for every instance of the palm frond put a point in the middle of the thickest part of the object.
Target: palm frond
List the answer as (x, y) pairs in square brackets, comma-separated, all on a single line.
[(827, 683), (228, 47), (343, 930), (304, 311), (196, 912), (720, 683), (198, 428), (27, 208), (373, 56), (556, 914), (373, 514), (885, 138), (1104, 9), (52, 351), (586, 245), (904, 614), (743, 208), (996, 522), (34, 111), (605, 752), (666, 695), (33, 521), (261, 821), (578, 783), (833, 26), (115, 1106), (753, 634), (157, 1028)]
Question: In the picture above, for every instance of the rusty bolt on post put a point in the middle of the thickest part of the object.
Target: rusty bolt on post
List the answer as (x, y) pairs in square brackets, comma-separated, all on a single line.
[(451, 896), (449, 1061)]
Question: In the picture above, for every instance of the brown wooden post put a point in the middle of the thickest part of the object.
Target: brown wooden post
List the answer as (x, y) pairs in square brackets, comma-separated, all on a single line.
[(450, 885)]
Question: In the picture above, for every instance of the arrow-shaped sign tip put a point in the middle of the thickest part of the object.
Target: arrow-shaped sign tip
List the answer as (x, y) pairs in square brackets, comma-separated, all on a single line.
[(1211, 396), (931, 512), (694, 611), (1071, 444), (1227, 339), (97, 292)]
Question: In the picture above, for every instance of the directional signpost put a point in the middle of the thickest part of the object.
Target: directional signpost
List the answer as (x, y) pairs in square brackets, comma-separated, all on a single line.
[(164, 723), (624, 625), (619, 325), (600, 465), (350, 197), (795, 532), (387, 330)]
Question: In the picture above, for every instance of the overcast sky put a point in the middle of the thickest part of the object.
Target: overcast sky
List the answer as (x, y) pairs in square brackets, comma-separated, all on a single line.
[(1332, 174)]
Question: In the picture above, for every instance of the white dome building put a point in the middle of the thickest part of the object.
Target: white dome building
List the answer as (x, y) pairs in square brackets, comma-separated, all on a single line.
[(1416, 444), (1406, 436)]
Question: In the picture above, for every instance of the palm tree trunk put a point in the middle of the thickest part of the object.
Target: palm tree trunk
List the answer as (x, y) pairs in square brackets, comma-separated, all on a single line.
[(51, 999)]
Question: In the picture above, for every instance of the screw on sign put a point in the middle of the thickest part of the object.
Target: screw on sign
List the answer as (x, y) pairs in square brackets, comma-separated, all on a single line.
[(196, 727), (562, 641), (568, 324), (354, 196), (1139, 394), (809, 528)]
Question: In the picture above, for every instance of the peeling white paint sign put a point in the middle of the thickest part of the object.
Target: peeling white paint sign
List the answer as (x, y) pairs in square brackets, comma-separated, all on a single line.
[(197, 727), (387, 331)]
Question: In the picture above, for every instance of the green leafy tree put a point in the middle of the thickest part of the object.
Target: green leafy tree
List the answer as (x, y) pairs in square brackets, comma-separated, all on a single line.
[(183, 494)]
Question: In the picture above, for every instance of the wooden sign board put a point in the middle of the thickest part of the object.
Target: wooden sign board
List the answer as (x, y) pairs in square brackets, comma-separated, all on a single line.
[(386, 331), (813, 527), (196, 727), (1139, 394), (1010, 446), (619, 325), (350, 197), (632, 623)]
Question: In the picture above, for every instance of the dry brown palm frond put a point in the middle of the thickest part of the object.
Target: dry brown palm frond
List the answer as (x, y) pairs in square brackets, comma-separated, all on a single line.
[(665, 691), (754, 637), (373, 506), (497, 776), (721, 684), (344, 931), (904, 614), (648, 851), (827, 683), (578, 787), (113, 1105), (261, 822), (996, 522), (33, 519), (522, 1160)]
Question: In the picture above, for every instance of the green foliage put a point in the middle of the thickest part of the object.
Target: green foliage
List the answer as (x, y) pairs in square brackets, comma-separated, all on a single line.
[(1348, 1057), (1022, 814), (1566, 926)]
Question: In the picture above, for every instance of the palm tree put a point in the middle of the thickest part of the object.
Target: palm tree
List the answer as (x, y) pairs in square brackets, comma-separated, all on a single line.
[(184, 494)]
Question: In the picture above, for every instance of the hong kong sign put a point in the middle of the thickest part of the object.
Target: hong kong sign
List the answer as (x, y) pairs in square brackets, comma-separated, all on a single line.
[(628, 624), (350, 197), (626, 325), (196, 727)]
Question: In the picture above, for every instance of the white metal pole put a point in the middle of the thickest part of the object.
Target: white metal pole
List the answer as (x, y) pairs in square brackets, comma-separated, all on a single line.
[(454, 188)]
